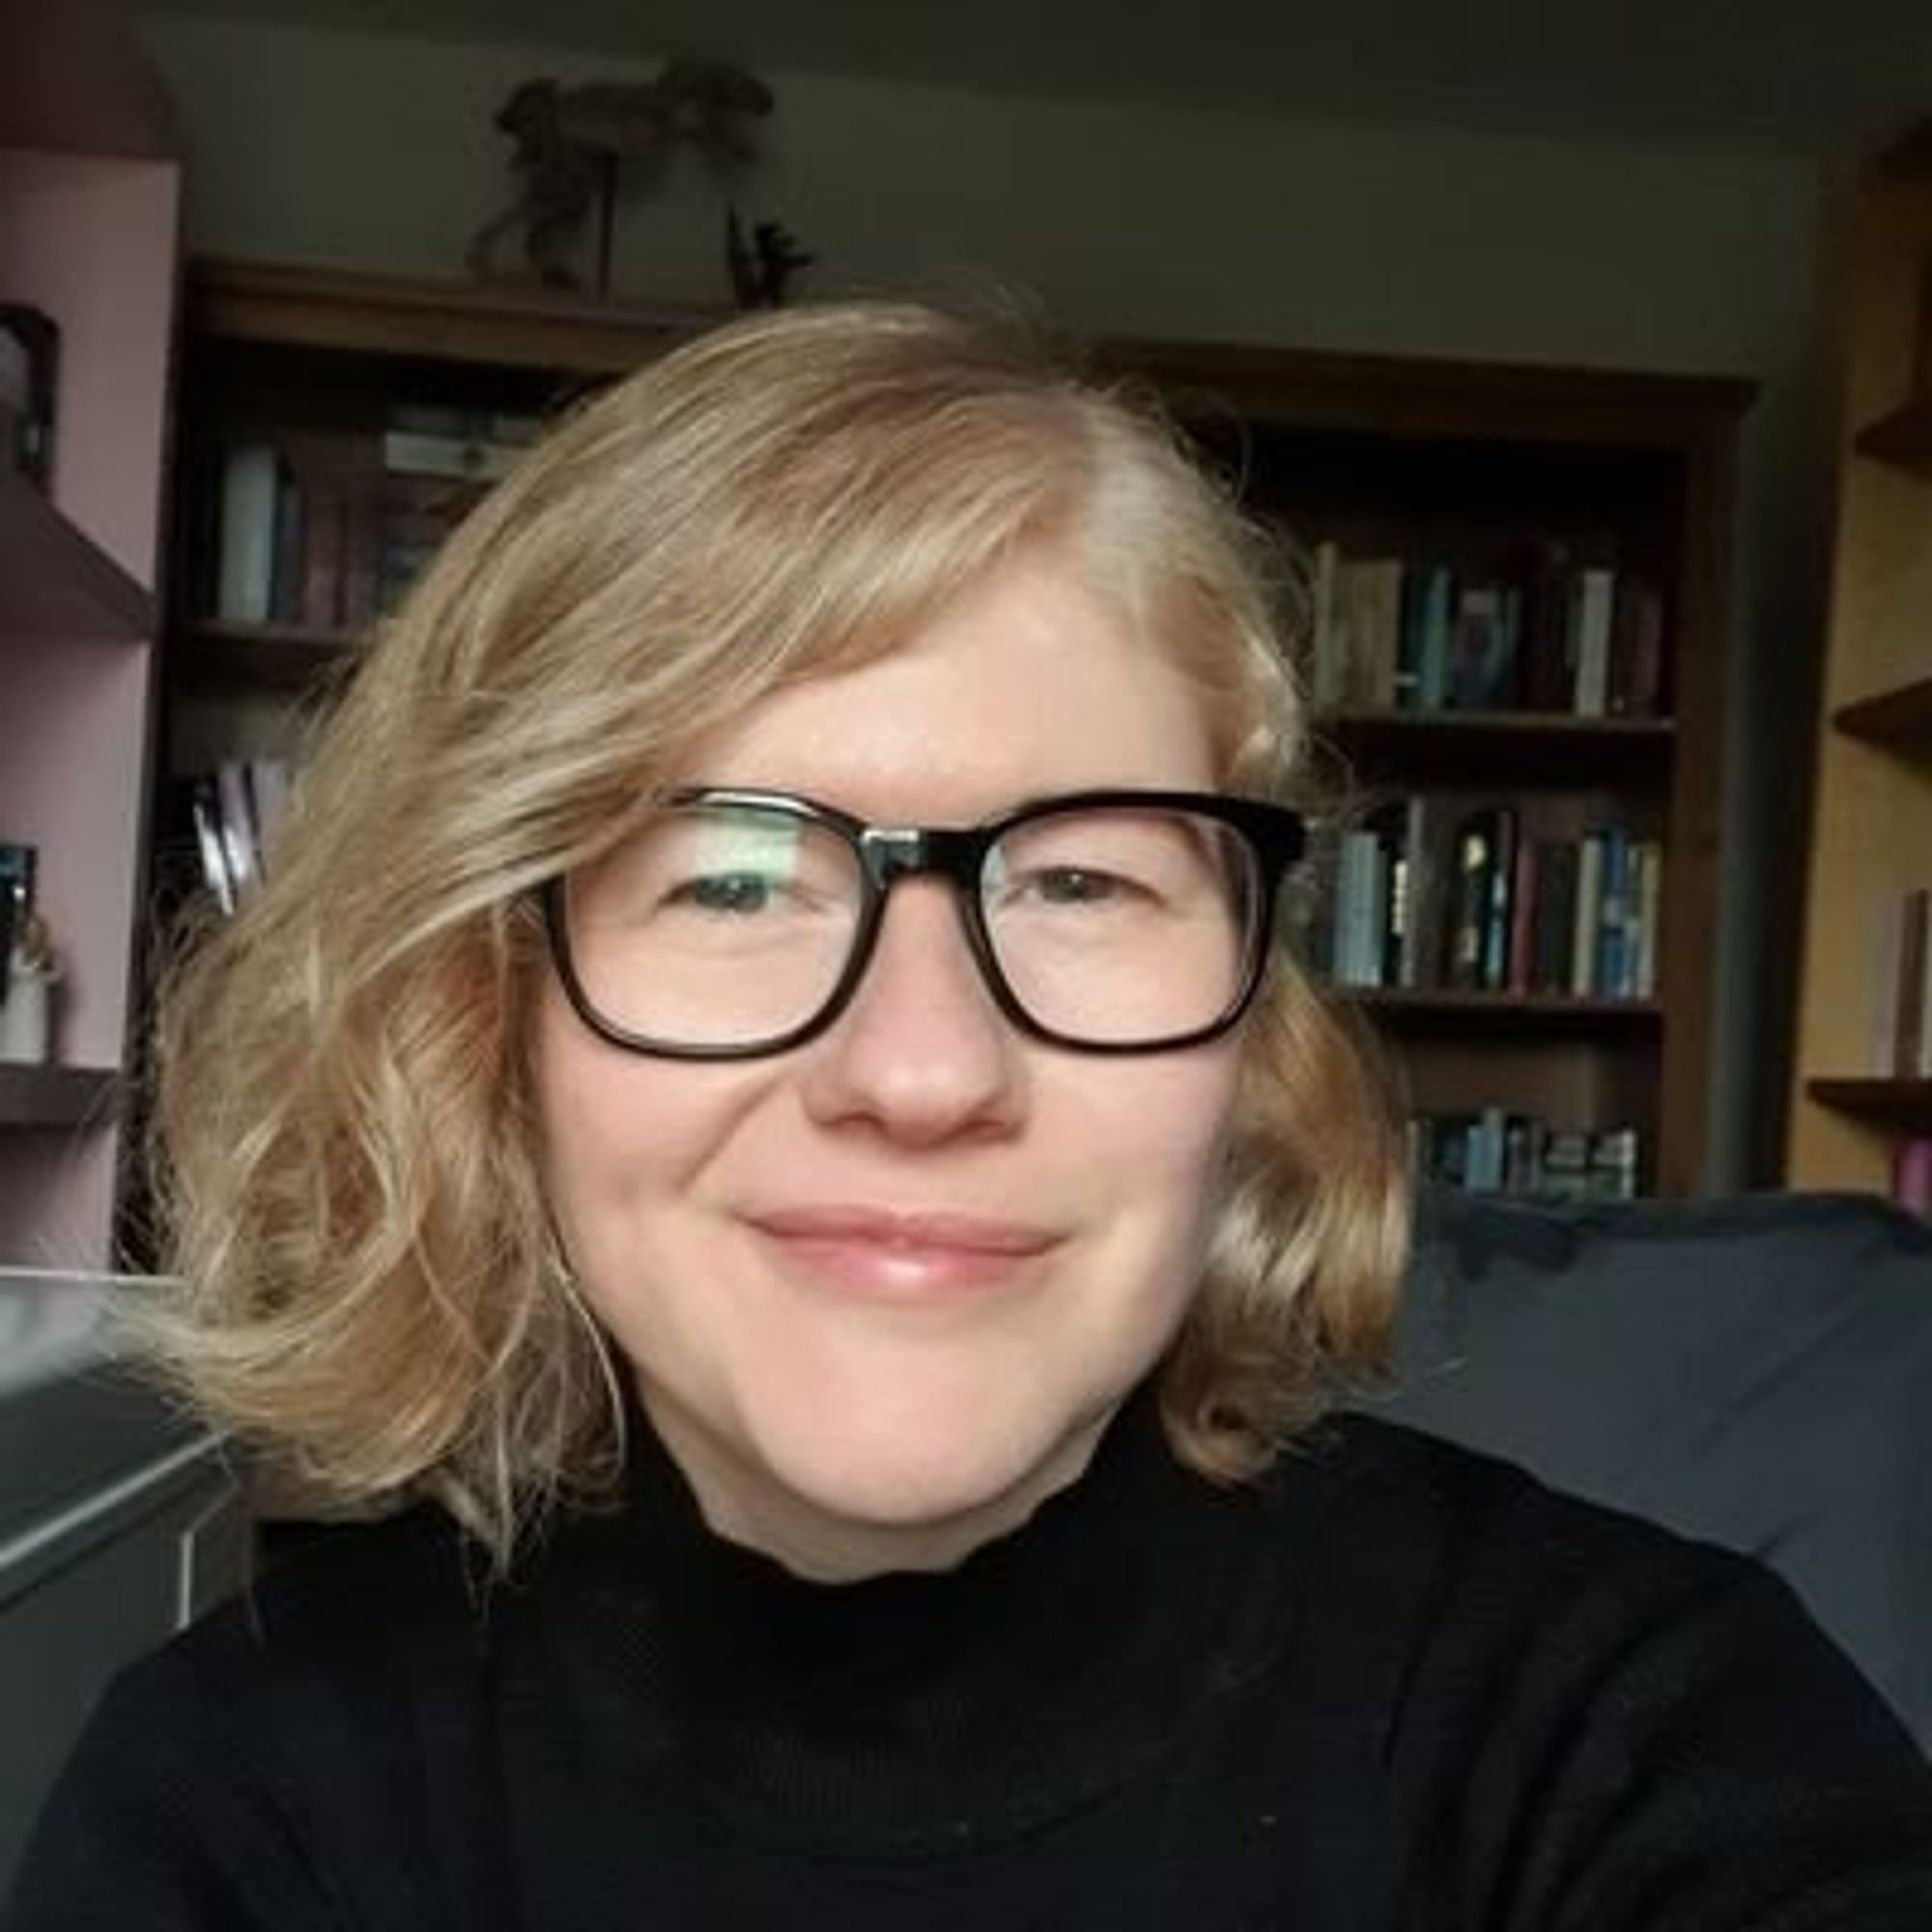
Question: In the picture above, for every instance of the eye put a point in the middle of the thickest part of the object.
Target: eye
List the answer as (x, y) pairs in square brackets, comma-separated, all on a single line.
[(736, 893), (1076, 885)]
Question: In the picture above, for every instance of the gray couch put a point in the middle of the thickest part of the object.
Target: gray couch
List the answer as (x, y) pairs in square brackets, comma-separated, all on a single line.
[(1755, 1372)]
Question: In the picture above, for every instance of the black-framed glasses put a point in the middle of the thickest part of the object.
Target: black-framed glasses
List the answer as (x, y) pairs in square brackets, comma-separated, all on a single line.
[(731, 923)]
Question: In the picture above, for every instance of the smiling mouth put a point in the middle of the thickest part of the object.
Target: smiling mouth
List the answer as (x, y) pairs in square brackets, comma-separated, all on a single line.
[(897, 1255)]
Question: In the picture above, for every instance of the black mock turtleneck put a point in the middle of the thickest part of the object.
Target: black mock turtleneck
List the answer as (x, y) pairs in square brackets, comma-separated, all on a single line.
[(1390, 1687)]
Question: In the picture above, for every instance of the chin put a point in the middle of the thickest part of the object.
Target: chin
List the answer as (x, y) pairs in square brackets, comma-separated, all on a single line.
[(912, 1467)]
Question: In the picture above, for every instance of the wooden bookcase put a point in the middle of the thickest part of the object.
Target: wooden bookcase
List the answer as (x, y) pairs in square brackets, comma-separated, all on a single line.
[(1871, 837), (1371, 450), (89, 198)]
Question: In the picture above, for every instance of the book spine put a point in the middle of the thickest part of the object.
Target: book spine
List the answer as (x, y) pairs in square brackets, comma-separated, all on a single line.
[(1329, 673), (1649, 917), (1589, 915), (1469, 912), (246, 585), (1497, 918), (1911, 1175), (1595, 613)]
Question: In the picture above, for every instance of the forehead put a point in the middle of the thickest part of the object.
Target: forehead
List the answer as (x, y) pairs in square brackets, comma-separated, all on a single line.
[(1025, 684)]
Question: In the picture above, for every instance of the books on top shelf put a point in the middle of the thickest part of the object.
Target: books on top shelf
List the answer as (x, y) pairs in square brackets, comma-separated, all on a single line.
[(327, 533), (1550, 635), (1433, 893), (1492, 1150)]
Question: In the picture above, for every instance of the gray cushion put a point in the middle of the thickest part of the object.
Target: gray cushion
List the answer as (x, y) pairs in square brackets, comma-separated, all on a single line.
[(1755, 1372)]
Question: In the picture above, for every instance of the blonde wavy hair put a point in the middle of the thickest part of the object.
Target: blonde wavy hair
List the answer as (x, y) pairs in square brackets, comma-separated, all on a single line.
[(346, 1150)]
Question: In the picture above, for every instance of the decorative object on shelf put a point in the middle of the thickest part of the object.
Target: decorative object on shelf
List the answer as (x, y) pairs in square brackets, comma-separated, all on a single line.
[(571, 143), (763, 265), (28, 967)]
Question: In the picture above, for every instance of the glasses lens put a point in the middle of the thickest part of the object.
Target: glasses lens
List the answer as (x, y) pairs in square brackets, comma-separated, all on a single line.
[(1119, 926), (714, 924)]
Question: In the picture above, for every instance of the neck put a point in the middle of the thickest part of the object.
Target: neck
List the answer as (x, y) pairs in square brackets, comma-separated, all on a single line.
[(755, 1509)]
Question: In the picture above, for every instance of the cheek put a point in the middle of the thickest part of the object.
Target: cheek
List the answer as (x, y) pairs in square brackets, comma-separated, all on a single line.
[(617, 1133), (1165, 1141)]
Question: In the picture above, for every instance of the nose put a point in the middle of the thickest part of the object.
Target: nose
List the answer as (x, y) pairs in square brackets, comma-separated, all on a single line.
[(921, 1052)]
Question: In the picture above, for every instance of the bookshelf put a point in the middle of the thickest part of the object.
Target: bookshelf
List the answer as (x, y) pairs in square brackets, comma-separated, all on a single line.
[(1508, 484), (89, 198), (1863, 1066), (1465, 462)]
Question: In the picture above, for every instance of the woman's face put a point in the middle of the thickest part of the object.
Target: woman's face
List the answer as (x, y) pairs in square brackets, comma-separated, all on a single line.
[(882, 1292)]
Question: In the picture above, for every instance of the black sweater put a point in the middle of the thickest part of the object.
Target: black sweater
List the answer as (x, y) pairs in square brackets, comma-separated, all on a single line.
[(1392, 1687)]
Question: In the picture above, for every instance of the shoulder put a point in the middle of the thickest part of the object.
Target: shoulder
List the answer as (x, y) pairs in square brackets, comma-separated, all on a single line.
[(1574, 1701), (1476, 1511), (265, 1767), (344, 1598)]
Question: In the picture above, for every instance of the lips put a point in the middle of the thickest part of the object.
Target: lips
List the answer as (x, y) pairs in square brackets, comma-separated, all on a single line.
[(902, 1254)]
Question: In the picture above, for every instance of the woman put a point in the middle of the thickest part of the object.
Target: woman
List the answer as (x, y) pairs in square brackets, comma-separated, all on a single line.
[(757, 1123)]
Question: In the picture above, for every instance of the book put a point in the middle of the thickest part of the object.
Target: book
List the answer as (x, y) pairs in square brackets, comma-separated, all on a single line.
[(245, 583), (1499, 916), (1611, 974), (1327, 667), (1637, 651), (1545, 676), (1431, 608), (1553, 920), (1482, 650), (1593, 613), (1648, 918), (1911, 1175), (1589, 913), (419, 453), (234, 823), (1472, 900)]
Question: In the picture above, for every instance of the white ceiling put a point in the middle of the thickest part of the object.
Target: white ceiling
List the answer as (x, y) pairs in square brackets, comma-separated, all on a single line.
[(1801, 76)]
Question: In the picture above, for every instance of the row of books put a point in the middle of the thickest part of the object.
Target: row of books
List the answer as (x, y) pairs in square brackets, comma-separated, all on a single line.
[(1429, 895), (1902, 1037), (1496, 1152), (1551, 635), (330, 534), (218, 827)]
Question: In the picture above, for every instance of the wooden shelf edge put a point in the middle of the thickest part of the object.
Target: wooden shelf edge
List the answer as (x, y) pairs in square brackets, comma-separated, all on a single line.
[(465, 321), (1902, 438), (1540, 1008), (58, 581), (56, 1097), (1900, 720), (1517, 724), (1893, 1103), (273, 657)]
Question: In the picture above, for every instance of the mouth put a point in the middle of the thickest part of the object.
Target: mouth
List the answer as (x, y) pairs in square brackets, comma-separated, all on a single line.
[(895, 1255)]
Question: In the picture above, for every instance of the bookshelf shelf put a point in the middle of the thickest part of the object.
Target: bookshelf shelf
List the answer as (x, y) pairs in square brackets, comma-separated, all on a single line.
[(55, 1096), (1900, 720), (261, 656), (1901, 436), (1900, 1105), (58, 583), (1559, 1013), (1549, 749)]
